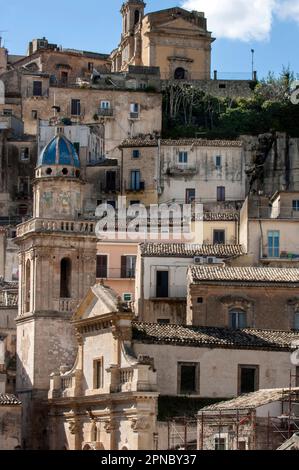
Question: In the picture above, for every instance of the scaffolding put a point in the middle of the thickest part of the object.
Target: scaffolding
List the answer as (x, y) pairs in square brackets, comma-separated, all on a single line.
[(244, 430), (286, 424), (182, 433)]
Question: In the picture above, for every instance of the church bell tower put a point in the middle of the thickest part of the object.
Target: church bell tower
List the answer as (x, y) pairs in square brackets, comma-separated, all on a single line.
[(57, 265)]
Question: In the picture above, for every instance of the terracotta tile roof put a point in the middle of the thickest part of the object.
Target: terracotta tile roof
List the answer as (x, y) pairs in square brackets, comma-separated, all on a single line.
[(9, 400), (251, 400), (178, 335), (186, 250), (199, 274), (139, 142), (221, 216), (147, 142)]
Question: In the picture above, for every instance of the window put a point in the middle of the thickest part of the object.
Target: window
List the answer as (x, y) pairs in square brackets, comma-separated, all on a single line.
[(296, 205), (65, 278), (98, 373), (162, 283), (34, 114), (222, 85), (75, 107), (248, 379), (296, 321), (190, 196), (237, 319), (136, 17), (24, 186), (219, 237), (297, 376), (179, 73), (27, 285), (7, 112), (37, 88), (220, 443), (128, 267), (242, 445), (77, 148), (102, 266), (64, 78), (188, 378), (135, 153), (127, 297), (200, 300), (105, 105), (163, 321), (132, 203), (134, 110), (274, 244), (23, 209), (218, 161), (220, 194), (183, 157), (110, 180), (90, 66), (135, 180), (24, 154)]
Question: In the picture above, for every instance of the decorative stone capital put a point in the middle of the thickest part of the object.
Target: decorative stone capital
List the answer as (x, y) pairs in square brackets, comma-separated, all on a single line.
[(110, 425), (140, 424), (74, 425)]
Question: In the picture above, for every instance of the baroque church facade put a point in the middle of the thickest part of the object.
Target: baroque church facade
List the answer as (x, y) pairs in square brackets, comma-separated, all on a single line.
[(175, 40)]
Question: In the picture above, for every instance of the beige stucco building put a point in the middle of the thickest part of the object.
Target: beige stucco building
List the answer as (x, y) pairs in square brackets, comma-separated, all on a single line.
[(269, 229), (161, 271)]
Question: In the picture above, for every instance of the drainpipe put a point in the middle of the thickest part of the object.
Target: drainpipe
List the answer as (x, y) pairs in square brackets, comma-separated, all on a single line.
[(159, 168), (122, 172), (262, 239)]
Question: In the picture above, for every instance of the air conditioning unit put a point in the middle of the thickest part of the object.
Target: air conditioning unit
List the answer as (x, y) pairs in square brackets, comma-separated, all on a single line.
[(211, 260), (199, 260)]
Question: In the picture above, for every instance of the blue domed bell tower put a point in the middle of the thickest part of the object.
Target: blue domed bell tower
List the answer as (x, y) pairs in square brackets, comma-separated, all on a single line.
[(57, 265)]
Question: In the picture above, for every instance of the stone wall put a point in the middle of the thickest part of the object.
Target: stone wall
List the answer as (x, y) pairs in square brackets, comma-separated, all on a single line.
[(10, 427), (266, 307)]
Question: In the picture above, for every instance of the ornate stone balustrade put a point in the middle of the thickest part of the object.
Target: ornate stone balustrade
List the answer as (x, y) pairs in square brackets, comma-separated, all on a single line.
[(50, 225)]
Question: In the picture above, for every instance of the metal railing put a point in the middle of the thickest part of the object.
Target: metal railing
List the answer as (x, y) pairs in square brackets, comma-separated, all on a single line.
[(106, 112)]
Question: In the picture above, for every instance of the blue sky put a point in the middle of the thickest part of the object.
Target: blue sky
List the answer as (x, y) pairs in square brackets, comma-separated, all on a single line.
[(271, 28)]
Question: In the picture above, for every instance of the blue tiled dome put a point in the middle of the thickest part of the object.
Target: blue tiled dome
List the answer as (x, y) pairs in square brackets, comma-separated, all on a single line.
[(60, 151)]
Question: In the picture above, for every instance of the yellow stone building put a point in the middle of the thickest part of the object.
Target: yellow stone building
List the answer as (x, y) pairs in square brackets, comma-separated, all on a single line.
[(174, 39)]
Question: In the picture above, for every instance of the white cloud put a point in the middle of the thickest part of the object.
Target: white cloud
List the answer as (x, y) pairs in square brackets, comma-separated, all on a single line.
[(243, 19), (237, 19), (288, 10)]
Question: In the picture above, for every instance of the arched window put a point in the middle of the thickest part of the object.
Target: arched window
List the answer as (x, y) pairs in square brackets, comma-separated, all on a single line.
[(180, 73), (65, 278), (296, 320), (27, 285), (237, 319), (136, 17)]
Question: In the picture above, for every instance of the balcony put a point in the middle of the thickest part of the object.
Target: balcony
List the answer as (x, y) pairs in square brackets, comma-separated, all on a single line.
[(135, 188), (106, 112), (49, 225), (181, 170), (116, 273), (134, 116)]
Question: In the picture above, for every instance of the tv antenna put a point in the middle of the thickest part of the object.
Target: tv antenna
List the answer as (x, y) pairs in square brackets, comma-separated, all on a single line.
[(3, 31)]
